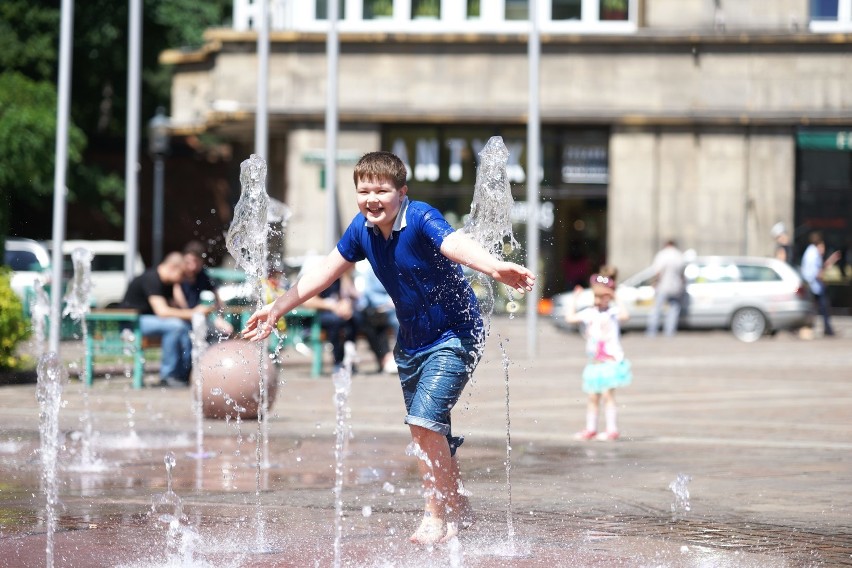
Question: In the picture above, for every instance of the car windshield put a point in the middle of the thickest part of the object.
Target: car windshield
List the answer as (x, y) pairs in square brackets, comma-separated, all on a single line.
[(21, 260)]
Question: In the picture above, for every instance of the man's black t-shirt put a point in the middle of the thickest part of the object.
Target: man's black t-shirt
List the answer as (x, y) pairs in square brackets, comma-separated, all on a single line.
[(142, 287), (192, 290)]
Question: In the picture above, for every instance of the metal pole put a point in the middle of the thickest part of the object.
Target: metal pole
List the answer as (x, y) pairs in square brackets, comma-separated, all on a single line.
[(131, 156), (331, 47), (261, 117), (66, 36), (533, 161), (157, 233)]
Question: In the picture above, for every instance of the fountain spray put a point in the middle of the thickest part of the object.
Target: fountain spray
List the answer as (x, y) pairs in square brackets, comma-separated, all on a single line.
[(247, 242), (52, 377), (490, 225), (77, 306)]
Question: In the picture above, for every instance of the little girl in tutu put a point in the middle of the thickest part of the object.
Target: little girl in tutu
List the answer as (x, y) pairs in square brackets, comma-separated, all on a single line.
[(607, 368)]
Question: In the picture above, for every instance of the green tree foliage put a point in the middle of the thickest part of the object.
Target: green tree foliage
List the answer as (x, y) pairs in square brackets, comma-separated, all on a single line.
[(27, 123), (13, 325), (29, 43)]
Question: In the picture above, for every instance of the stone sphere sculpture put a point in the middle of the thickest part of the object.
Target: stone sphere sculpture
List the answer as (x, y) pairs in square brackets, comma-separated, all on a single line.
[(231, 372)]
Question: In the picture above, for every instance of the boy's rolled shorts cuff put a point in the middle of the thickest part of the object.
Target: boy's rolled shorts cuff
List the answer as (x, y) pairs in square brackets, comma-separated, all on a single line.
[(443, 429)]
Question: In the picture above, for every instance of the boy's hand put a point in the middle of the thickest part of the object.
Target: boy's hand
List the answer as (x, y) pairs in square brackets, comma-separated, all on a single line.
[(260, 324), (515, 276)]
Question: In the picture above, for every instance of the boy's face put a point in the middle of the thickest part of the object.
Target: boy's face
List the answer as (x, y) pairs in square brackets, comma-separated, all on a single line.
[(379, 201)]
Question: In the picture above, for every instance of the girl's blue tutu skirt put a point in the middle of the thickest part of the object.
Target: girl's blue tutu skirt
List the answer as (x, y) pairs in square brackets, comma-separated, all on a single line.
[(600, 377)]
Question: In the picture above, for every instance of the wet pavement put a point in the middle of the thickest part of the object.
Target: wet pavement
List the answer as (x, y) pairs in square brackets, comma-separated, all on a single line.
[(731, 454)]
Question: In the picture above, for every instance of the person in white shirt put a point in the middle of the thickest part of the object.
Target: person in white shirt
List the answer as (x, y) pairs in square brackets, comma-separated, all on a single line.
[(668, 266), (813, 269)]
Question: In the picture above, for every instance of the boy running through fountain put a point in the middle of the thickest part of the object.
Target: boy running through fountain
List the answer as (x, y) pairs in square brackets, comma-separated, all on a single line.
[(416, 255)]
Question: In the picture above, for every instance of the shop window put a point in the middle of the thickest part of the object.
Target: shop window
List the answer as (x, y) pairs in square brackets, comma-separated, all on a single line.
[(830, 15), (322, 9), (473, 9), (378, 9), (566, 10), (613, 10), (426, 9), (517, 10), (591, 12)]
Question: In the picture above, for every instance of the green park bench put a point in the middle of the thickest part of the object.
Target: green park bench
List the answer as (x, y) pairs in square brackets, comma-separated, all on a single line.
[(105, 337), (303, 327)]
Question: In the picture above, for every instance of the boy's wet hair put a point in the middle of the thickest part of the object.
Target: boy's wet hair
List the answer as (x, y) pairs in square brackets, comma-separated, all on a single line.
[(380, 166)]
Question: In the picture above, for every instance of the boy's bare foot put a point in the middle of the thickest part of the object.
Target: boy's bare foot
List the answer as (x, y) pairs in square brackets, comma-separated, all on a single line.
[(463, 514), (430, 531)]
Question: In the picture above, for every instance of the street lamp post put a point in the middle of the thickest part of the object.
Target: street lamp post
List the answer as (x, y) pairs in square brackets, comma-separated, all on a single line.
[(158, 146)]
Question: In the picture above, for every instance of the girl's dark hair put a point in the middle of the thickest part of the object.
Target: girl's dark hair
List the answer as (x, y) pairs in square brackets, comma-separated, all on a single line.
[(609, 271), (380, 166)]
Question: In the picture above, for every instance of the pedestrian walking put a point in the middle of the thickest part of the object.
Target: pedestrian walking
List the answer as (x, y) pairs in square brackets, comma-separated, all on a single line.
[(607, 368), (669, 289), (814, 265)]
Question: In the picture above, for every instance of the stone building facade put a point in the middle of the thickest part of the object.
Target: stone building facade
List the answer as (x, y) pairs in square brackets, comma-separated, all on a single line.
[(707, 121)]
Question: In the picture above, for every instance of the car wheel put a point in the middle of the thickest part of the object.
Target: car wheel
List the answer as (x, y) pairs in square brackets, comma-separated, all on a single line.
[(748, 324)]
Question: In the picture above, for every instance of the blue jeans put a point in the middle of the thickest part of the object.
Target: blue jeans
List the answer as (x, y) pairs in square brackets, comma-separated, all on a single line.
[(177, 344), (824, 311), (432, 382), (672, 314)]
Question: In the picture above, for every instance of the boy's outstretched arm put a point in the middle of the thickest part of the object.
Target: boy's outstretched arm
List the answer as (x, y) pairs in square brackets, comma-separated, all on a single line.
[(460, 248), (312, 282)]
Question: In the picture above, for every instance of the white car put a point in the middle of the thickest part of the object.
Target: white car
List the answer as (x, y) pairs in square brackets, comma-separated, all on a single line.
[(108, 280), (29, 261), (751, 296)]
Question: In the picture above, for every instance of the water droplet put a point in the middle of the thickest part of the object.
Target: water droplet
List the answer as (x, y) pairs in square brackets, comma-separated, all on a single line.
[(366, 510), (216, 391)]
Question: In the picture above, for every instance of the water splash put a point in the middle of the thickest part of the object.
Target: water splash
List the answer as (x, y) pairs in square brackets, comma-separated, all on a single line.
[(199, 345), (167, 507), (490, 222), (77, 305), (490, 225), (680, 488), (510, 525), (52, 377), (247, 235), (40, 310), (247, 241), (80, 287), (342, 379)]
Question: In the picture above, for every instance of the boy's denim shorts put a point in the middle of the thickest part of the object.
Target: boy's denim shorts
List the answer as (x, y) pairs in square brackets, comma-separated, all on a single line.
[(432, 382)]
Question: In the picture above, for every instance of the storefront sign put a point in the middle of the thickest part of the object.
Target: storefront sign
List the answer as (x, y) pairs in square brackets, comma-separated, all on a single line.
[(825, 140)]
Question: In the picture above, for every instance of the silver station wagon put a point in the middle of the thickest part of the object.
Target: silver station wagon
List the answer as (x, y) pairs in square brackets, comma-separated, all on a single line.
[(751, 296)]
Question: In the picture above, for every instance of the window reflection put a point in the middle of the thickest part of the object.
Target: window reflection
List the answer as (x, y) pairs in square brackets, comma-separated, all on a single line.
[(566, 10), (517, 10), (613, 10), (824, 9)]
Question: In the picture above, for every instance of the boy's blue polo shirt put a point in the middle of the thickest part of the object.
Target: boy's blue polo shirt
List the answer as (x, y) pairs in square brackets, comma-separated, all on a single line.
[(434, 301)]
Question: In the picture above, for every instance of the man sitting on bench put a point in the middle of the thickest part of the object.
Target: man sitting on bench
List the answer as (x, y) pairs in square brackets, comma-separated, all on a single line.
[(151, 294)]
